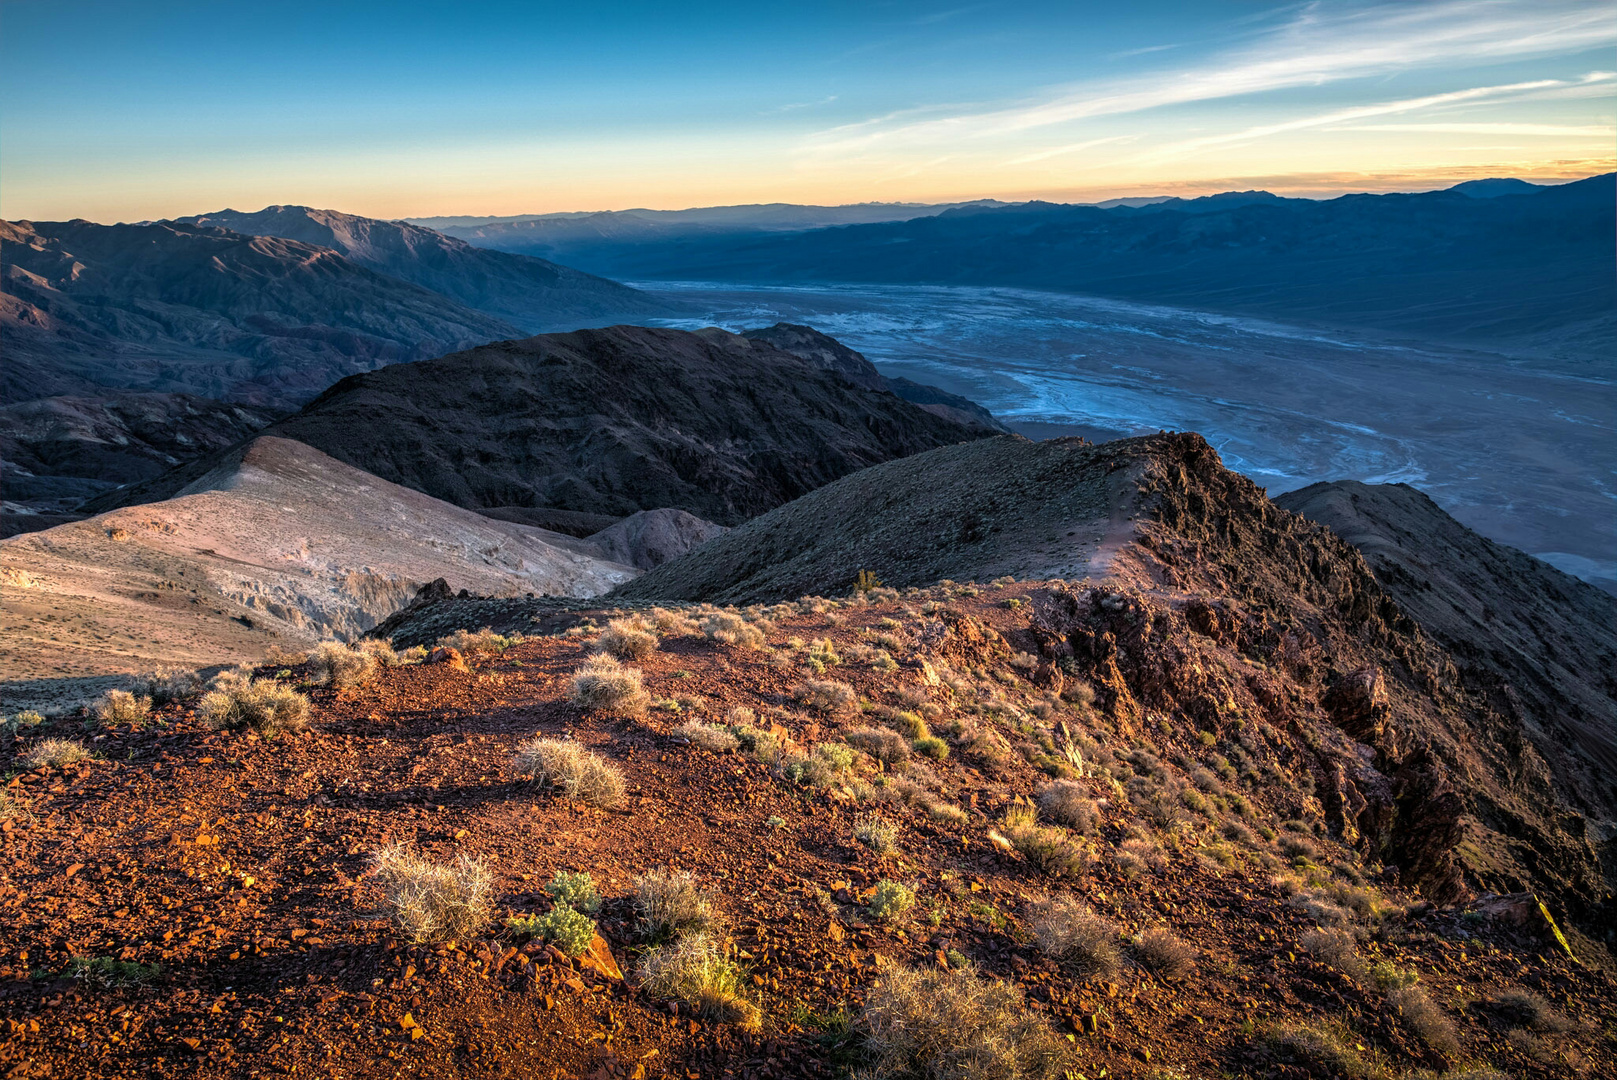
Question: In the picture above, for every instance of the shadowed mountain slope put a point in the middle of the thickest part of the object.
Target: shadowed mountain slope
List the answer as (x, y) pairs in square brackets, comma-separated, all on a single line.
[(1470, 794), (57, 452), (177, 308), (1539, 645), (530, 293), (608, 422)]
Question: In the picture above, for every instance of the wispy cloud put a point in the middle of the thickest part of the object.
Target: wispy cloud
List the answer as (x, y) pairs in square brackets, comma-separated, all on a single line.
[(1592, 131), (795, 105), (1071, 149), (1126, 53), (1322, 43)]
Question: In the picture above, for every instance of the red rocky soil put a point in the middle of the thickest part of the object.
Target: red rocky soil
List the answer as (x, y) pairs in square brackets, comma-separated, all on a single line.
[(241, 866)]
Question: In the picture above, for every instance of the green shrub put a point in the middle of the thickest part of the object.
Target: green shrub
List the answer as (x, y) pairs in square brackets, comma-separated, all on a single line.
[(104, 971), (576, 891), (890, 900), (933, 747), (570, 931), (708, 736)]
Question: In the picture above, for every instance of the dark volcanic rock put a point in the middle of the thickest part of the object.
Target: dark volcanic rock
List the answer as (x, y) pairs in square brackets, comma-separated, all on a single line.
[(609, 422)]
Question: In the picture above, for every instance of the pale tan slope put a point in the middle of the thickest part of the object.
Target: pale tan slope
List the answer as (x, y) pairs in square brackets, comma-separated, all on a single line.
[(279, 544)]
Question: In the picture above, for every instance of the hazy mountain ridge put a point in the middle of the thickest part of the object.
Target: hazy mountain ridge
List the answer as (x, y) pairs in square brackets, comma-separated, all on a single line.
[(1532, 269), (533, 294), (177, 308)]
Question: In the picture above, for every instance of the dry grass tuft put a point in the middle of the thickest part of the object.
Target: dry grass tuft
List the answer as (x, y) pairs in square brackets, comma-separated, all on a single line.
[(1316, 1047), (1425, 1018), (627, 639), (952, 1025), (673, 623), (122, 707), (54, 754), (671, 903), (1068, 803), (708, 736), (331, 663), (1336, 948), (1070, 930), (434, 901), (485, 642), (236, 699), (876, 833), (168, 684), (827, 697), (879, 743), (733, 630), (571, 769), (697, 970), (1162, 952), (1527, 1009), (602, 684), (1048, 850)]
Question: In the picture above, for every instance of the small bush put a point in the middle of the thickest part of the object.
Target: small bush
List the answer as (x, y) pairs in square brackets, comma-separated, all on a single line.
[(877, 834), (879, 743), (1298, 847), (627, 639), (571, 769), (1162, 951), (236, 699), (1316, 1047), (931, 746), (104, 971), (1068, 803), (1048, 850), (122, 707), (576, 891), (434, 901), (671, 903), (948, 1024), (1336, 948), (569, 930), (601, 684), (827, 697), (167, 685), (1423, 1016), (822, 654), (382, 651), (828, 765), (708, 736), (1389, 976), (54, 754), (485, 642), (336, 665), (890, 900), (730, 629), (1529, 1010), (698, 971), (1069, 930), (673, 623)]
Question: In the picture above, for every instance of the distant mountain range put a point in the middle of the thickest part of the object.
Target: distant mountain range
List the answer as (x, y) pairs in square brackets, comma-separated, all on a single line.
[(1497, 261), (271, 312)]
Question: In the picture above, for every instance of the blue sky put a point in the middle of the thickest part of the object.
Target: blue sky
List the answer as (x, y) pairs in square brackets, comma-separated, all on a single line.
[(118, 111)]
